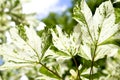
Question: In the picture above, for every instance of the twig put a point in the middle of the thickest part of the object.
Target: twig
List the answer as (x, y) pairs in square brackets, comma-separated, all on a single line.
[(50, 70)]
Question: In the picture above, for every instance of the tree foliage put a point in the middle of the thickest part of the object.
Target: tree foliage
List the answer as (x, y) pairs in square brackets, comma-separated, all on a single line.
[(11, 15), (89, 52)]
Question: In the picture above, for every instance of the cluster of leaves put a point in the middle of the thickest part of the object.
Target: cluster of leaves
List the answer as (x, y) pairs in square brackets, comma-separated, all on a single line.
[(11, 15), (90, 52)]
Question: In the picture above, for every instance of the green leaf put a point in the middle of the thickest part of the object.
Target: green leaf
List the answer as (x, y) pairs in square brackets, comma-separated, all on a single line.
[(21, 32), (58, 52), (77, 15), (117, 11), (46, 39), (46, 72), (95, 76), (112, 41), (116, 4)]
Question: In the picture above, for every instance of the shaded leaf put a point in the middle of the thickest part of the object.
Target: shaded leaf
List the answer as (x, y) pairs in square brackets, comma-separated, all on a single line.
[(58, 52), (46, 39), (47, 73), (112, 41), (21, 32), (117, 11)]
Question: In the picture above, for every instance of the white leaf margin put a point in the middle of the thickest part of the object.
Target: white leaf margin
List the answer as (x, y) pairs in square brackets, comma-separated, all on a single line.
[(19, 52), (63, 42)]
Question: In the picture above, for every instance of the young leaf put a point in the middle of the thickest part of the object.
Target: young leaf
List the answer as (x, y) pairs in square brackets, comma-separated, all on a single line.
[(67, 44), (81, 12)]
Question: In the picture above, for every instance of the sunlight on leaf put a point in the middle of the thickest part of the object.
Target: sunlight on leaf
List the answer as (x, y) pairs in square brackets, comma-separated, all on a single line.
[(97, 29), (85, 52), (20, 52), (68, 44), (109, 50), (34, 41)]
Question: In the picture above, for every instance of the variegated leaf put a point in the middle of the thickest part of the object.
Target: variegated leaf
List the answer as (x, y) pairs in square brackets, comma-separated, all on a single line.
[(21, 52), (98, 29), (67, 44)]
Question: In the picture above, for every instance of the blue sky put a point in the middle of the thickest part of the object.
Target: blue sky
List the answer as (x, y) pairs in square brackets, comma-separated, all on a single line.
[(65, 2), (44, 7)]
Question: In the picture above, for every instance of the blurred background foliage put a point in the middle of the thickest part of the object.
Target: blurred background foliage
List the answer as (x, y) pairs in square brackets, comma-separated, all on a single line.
[(65, 19), (11, 15)]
